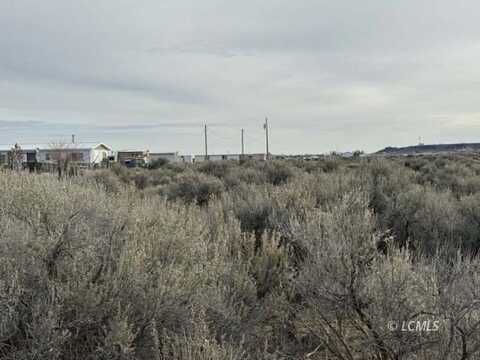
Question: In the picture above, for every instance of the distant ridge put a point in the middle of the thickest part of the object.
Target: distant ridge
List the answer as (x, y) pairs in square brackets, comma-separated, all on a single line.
[(430, 149)]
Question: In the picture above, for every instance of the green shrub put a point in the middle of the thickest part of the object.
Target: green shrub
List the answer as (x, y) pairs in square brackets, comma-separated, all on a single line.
[(121, 172), (157, 163), (194, 188), (254, 214), (163, 176), (469, 208), (215, 168), (330, 164), (249, 176), (107, 180), (140, 180), (276, 172)]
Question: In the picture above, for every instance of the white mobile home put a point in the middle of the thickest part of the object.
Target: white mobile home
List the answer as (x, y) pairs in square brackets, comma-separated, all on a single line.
[(24, 155), (83, 153)]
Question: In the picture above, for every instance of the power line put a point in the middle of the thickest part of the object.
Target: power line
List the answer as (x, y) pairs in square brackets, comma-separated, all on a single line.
[(222, 136), (243, 144), (265, 126), (44, 142), (206, 143)]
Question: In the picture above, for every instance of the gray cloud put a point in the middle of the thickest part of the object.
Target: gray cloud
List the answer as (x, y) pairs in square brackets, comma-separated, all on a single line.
[(6, 125), (330, 75)]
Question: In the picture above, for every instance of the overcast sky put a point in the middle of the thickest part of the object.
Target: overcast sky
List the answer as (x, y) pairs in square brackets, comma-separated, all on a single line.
[(330, 75)]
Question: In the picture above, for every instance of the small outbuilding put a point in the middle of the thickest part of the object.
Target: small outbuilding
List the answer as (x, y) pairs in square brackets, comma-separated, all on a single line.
[(133, 158)]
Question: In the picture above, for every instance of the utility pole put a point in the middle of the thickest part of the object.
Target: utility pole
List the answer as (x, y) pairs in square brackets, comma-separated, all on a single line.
[(243, 145), (206, 144), (73, 138), (265, 126)]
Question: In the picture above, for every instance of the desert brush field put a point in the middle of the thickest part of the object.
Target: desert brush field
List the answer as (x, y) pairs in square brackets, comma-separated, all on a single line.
[(364, 258)]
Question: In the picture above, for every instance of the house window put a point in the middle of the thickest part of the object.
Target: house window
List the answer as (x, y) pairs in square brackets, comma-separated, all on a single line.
[(76, 156), (31, 157), (47, 156)]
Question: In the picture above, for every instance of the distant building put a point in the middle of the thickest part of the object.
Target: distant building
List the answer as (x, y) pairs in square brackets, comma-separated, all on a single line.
[(133, 158), (169, 156), (200, 158), (347, 154), (82, 153), (233, 157), (187, 158), (27, 156), (217, 157), (260, 156)]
